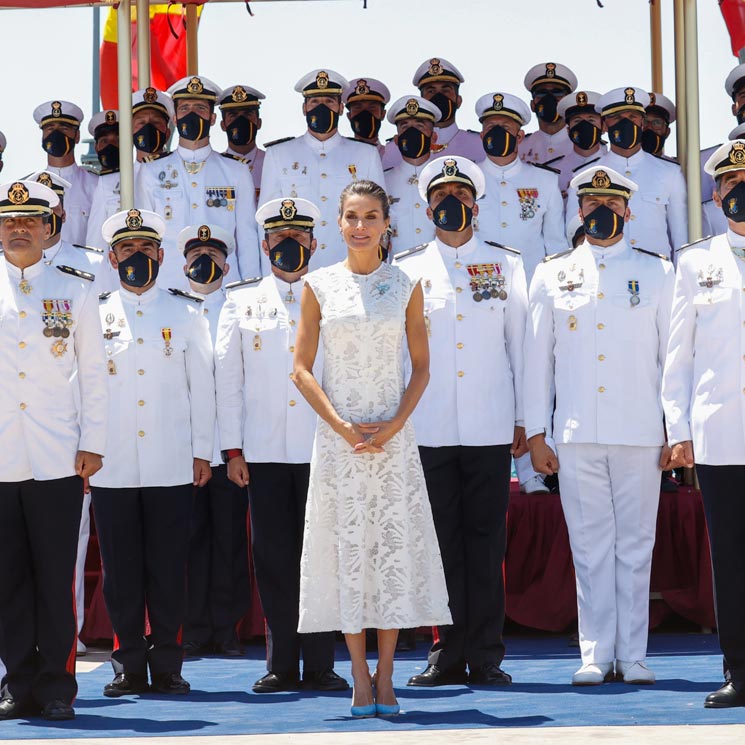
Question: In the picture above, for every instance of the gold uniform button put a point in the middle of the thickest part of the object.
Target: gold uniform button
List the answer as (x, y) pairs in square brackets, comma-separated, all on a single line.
[(22, 314), (459, 317), (139, 312), (206, 311), (292, 323), (417, 205), (292, 402), (21, 375), (600, 296), (140, 434), (140, 403), (22, 344), (323, 175), (23, 406), (323, 245), (459, 289), (504, 204), (323, 222), (601, 266), (458, 265), (460, 373), (550, 150), (140, 372), (633, 242), (504, 224), (140, 341), (601, 389), (323, 199), (633, 217), (292, 348), (194, 206), (459, 345), (194, 183), (418, 230), (601, 326), (503, 183), (601, 357)]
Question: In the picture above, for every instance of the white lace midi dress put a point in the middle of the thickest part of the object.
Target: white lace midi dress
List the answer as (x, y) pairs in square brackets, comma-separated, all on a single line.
[(370, 553)]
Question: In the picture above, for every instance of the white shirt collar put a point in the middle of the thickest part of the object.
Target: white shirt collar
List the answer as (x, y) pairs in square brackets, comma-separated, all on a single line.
[(735, 239), (502, 172), (450, 252), (195, 156), (608, 252), (131, 298), (320, 146)]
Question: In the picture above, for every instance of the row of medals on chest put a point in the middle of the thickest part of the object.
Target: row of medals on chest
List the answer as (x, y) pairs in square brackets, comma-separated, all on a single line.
[(57, 318), (166, 334), (249, 313)]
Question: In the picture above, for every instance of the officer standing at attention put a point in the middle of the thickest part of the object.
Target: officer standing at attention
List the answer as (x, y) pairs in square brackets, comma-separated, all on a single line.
[(702, 395), (660, 114), (469, 421), (414, 118), (548, 83), (197, 186), (218, 582), (597, 333), (366, 99), (320, 163), (59, 122), (162, 421), (659, 210), (241, 122), (50, 443)]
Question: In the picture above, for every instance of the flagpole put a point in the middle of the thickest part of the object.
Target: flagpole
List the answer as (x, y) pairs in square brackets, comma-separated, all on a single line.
[(143, 44), (655, 32), (124, 69), (192, 51), (693, 144)]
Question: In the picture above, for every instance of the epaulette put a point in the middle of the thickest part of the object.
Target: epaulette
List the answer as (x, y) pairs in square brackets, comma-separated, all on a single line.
[(544, 167), (557, 255), (187, 295), (473, 132), (501, 245), (154, 156), (104, 296), (665, 159), (553, 160), (390, 168), (650, 253), (390, 139), (243, 283), (277, 142), (108, 171), (585, 164), (528, 135), (234, 157), (409, 252), (89, 248), (76, 272), (693, 243), (362, 142)]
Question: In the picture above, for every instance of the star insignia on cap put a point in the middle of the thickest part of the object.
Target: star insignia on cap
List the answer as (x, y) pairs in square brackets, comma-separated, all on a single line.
[(630, 95), (435, 68), (600, 180), (239, 94), (204, 233), (498, 99), (56, 108), (45, 180), (581, 98), (195, 85), (288, 209), (737, 154), (322, 80), (449, 167), (362, 88), (550, 69), (18, 193), (412, 107), (150, 95), (134, 219), (110, 117)]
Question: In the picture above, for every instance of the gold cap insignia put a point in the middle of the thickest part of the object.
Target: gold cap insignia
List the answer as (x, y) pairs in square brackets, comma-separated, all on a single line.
[(195, 85), (45, 180), (600, 180), (110, 117), (652, 99), (412, 107), (322, 80), (204, 233), (150, 95), (56, 108), (288, 210), (449, 167), (581, 98), (550, 69), (630, 95), (435, 68), (239, 94), (737, 154), (18, 193), (362, 88), (134, 219), (498, 102)]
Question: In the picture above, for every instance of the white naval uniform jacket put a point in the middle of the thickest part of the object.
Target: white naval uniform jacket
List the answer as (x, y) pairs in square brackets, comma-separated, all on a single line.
[(522, 208), (409, 221), (106, 202), (255, 162), (659, 210), (474, 395), (603, 351), (41, 428), (451, 140), (547, 149), (78, 199), (703, 387), (161, 406), (221, 193), (308, 168), (259, 409)]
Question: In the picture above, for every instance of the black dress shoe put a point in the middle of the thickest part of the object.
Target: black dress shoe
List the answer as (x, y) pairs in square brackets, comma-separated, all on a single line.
[(126, 684), (57, 711), (489, 674), (10, 708), (729, 695), (436, 676), (169, 683), (230, 648), (276, 682), (195, 649), (326, 680)]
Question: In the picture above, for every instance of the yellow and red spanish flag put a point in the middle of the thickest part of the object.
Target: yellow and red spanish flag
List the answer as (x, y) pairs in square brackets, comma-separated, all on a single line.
[(167, 50), (734, 16)]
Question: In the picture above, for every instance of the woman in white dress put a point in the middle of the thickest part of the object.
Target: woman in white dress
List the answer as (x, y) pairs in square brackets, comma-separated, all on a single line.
[(370, 553)]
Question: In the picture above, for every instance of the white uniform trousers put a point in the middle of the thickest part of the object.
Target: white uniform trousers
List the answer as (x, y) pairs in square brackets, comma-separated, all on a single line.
[(610, 494), (83, 536)]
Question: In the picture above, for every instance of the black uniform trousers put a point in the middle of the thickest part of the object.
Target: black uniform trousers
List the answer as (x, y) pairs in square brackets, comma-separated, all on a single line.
[(218, 584), (143, 535), (39, 524), (277, 495), (468, 490), (723, 491)]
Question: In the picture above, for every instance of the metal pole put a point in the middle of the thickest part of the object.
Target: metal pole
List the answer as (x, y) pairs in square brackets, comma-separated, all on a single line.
[(655, 32), (96, 62), (192, 52), (143, 44), (693, 139), (680, 87), (124, 68)]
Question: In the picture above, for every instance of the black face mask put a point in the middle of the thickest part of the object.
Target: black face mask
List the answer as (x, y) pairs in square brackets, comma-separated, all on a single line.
[(55, 223), (452, 215), (322, 119), (545, 108), (241, 131), (366, 125), (625, 134), (733, 205), (149, 139), (584, 134), (108, 157), (57, 144), (603, 223), (289, 255), (498, 142), (652, 142), (413, 143), (203, 270), (138, 270), (193, 127), (445, 105)]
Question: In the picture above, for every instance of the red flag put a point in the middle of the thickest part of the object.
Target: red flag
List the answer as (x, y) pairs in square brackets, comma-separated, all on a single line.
[(734, 16)]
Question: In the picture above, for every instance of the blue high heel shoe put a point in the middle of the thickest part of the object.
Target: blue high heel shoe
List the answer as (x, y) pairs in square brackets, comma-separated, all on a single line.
[(387, 710), (364, 712)]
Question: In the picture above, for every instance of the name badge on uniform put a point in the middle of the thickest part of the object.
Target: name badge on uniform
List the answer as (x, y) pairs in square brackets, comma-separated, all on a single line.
[(710, 277), (528, 203), (633, 286), (167, 335)]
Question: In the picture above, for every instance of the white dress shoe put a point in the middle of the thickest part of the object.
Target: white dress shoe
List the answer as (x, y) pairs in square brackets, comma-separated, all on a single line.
[(593, 674), (81, 650), (534, 485), (636, 673)]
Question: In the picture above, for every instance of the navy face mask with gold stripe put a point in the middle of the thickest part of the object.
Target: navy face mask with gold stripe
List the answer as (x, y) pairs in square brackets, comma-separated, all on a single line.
[(625, 134), (498, 142), (203, 270), (57, 144), (452, 215), (138, 270), (603, 223), (322, 119), (193, 127), (289, 255), (413, 143), (366, 125)]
